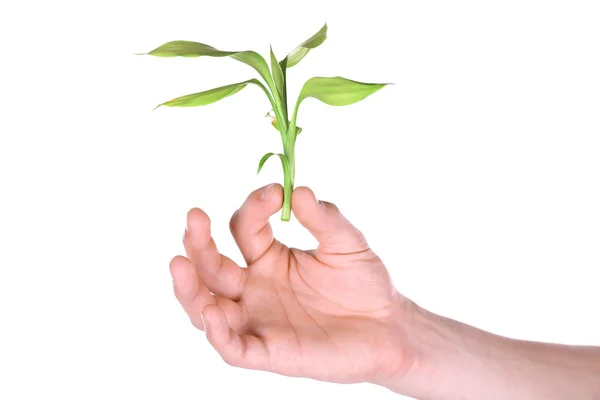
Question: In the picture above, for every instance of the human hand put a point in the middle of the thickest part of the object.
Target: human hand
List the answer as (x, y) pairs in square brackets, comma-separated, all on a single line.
[(333, 314), (329, 314)]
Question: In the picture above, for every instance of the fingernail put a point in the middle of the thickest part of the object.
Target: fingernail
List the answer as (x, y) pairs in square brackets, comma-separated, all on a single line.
[(267, 192), (204, 322)]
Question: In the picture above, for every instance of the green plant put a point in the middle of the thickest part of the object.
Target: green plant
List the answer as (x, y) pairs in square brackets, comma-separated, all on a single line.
[(335, 91)]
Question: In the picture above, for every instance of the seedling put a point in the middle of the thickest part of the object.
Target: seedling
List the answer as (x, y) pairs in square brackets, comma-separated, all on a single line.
[(335, 91)]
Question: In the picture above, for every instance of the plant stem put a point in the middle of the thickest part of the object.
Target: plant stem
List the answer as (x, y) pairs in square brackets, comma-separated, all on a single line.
[(288, 181), (288, 188)]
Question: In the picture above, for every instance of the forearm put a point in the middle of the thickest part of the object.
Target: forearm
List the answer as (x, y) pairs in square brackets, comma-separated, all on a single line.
[(457, 361)]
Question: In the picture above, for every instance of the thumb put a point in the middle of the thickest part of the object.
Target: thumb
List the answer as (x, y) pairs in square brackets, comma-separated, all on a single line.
[(335, 234)]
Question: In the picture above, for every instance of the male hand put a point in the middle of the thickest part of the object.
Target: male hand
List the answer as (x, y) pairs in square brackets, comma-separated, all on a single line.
[(330, 314), (333, 314)]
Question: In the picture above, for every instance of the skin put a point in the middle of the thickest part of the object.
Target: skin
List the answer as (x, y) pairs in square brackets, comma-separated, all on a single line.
[(333, 314)]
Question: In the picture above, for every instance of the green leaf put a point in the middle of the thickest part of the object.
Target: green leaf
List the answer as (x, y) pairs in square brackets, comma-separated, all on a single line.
[(263, 160), (184, 48), (294, 58), (335, 91), (283, 66), (302, 50), (283, 158), (338, 91), (209, 96), (277, 75)]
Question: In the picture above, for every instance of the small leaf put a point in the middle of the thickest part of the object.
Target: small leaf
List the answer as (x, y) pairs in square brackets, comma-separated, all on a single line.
[(283, 66), (337, 91), (277, 74), (209, 96), (184, 48), (263, 160), (302, 50), (283, 158)]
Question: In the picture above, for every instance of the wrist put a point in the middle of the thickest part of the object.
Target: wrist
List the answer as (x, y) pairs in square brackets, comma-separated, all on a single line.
[(448, 359)]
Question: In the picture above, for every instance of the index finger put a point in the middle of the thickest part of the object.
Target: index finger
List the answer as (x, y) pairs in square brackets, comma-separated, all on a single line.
[(250, 224)]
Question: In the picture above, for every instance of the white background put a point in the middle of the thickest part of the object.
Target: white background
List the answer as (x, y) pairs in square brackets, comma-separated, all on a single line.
[(476, 177)]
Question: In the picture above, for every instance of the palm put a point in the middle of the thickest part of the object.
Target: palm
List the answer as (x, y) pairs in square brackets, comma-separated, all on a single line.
[(322, 314), (316, 311)]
